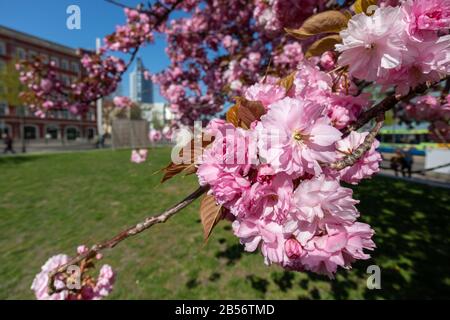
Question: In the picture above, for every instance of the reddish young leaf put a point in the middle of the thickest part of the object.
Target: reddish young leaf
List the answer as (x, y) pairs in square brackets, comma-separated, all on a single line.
[(210, 214), (249, 111), (173, 169), (232, 116)]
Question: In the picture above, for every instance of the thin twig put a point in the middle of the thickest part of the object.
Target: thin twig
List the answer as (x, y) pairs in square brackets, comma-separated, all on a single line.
[(117, 3), (125, 234)]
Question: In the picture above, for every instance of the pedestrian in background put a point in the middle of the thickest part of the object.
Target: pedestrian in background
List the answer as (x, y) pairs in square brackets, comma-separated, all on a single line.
[(397, 161), (408, 161), (8, 143)]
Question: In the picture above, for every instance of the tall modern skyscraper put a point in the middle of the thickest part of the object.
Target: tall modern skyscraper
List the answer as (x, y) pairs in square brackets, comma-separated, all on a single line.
[(141, 90)]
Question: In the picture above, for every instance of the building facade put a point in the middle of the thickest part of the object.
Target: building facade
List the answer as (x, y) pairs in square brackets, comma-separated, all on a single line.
[(141, 89), (58, 125)]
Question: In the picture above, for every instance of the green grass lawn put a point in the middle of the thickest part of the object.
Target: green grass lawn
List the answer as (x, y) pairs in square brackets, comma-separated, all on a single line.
[(51, 203)]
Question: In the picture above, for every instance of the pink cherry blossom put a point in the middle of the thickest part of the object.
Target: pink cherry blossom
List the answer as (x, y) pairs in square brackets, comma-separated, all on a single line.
[(324, 198), (139, 155), (91, 289), (335, 246), (312, 84), (225, 164), (373, 44), (40, 282), (425, 17), (328, 60), (422, 62), (345, 109), (294, 136), (271, 198), (265, 93), (293, 248), (122, 102), (155, 135)]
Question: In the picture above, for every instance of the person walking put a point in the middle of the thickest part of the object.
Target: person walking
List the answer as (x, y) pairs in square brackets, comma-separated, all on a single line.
[(397, 161), (8, 143), (408, 161)]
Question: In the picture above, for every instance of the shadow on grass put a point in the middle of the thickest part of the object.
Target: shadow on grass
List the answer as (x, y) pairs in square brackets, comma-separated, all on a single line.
[(19, 158)]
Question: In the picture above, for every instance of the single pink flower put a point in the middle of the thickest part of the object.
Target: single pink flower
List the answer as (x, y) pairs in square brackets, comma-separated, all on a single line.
[(373, 44), (294, 136), (265, 93), (324, 198), (425, 17)]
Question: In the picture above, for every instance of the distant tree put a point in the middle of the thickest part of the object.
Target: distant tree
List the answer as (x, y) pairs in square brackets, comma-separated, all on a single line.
[(10, 85), (11, 89)]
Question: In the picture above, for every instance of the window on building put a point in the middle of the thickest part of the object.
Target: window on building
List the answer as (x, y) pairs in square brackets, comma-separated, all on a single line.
[(65, 64), (75, 67), (2, 48), (3, 109), (51, 133), (72, 133), (55, 60), (21, 53), (30, 132), (90, 133), (6, 129)]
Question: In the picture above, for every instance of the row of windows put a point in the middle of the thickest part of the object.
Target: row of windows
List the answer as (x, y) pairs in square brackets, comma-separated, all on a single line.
[(31, 132), (53, 114), (60, 63)]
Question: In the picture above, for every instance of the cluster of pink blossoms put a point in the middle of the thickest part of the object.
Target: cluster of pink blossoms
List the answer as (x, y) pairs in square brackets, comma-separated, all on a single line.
[(274, 179), (155, 135), (47, 91), (137, 31), (122, 102), (401, 46), (275, 15), (90, 288), (139, 155)]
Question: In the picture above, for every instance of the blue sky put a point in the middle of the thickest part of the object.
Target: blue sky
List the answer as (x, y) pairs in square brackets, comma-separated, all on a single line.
[(47, 19)]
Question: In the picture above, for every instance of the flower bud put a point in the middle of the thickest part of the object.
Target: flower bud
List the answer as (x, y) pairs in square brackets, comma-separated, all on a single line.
[(293, 248)]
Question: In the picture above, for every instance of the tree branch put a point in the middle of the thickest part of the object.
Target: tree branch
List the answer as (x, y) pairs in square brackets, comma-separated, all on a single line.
[(352, 158), (388, 103), (125, 234)]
